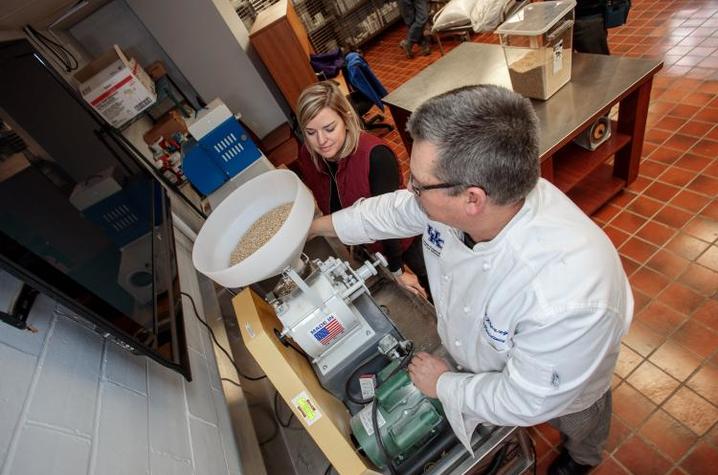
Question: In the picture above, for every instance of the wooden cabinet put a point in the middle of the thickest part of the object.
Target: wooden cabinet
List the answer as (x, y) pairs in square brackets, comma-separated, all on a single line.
[(279, 38), (586, 176)]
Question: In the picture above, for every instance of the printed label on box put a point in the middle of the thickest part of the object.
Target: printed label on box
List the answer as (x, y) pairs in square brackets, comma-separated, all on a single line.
[(558, 57)]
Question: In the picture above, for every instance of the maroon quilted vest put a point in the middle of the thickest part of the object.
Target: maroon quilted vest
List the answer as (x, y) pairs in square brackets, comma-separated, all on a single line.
[(352, 178)]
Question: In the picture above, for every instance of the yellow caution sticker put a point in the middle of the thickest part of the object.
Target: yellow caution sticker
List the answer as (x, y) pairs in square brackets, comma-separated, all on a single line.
[(306, 408)]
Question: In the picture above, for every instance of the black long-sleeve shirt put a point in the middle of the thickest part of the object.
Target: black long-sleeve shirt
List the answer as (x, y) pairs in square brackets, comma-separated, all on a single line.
[(383, 178)]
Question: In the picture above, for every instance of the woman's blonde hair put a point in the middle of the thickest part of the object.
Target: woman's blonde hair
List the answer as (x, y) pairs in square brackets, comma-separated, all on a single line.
[(327, 94)]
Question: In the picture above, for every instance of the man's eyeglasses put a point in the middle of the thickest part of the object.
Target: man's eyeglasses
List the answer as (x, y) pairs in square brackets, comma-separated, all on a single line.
[(418, 188)]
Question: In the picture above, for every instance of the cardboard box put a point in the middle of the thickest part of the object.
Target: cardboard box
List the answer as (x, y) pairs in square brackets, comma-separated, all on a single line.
[(156, 70), (116, 87), (169, 124)]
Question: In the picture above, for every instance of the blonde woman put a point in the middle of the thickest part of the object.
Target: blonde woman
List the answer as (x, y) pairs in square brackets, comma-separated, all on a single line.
[(341, 163)]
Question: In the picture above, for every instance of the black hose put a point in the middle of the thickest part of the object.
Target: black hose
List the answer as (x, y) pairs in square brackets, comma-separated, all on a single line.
[(214, 339), (377, 436), (276, 412)]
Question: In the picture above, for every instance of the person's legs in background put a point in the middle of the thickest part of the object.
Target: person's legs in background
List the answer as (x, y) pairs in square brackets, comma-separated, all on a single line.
[(416, 31), (415, 14), (590, 35)]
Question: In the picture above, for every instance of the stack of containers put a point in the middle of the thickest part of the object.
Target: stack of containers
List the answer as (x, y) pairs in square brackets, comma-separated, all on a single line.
[(538, 43)]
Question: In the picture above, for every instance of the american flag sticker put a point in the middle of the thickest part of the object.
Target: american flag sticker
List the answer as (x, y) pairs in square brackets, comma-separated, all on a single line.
[(328, 330)]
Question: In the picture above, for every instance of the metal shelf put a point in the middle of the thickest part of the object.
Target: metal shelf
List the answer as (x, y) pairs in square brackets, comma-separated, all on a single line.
[(338, 24)]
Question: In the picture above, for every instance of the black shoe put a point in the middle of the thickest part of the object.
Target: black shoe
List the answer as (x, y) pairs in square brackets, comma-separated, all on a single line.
[(426, 49), (565, 465), (406, 46)]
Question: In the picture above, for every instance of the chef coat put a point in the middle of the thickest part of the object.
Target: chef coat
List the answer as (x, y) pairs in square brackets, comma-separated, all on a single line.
[(533, 317)]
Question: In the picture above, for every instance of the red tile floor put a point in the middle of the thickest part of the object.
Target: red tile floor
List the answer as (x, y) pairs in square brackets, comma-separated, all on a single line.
[(665, 225)]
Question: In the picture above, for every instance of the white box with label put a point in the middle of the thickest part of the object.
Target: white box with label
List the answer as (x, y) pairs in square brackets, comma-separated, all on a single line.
[(116, 87)]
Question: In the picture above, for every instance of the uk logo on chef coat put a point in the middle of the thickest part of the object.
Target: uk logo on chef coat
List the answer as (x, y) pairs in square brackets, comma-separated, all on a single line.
[(433, 240), (328, 330)]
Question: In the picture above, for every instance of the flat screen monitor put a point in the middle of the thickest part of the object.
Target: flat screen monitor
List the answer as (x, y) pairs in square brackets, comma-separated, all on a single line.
[(80, 218)]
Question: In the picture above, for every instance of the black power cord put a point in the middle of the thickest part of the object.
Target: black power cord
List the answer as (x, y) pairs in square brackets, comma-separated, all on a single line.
[(277, 418), (286, 425), (61, 54), (214, 339), (275, 431), (404, 361), (375, 410), (377, 436), (231, 381)]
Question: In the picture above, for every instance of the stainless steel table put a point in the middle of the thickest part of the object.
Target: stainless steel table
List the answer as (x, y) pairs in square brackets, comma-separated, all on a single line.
[(597, 83)]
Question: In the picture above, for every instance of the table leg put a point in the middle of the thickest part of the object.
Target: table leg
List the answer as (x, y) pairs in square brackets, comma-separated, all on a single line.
[(547, 169), (632, 114), (401, 117)]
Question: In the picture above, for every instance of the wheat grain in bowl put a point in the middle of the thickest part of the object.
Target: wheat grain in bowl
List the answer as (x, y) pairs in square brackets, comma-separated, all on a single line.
[(260, 232)]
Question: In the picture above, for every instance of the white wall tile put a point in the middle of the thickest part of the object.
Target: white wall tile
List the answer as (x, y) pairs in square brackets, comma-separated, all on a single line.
[(139, 423), (197, 336), (25, 340), (16, 371), (229, 446), (207, 448), (123, 446), (169, 433), (214, 380), (199, 392), (66, 392), (125, 368), (193, 328), (45, 451), (162, 464)]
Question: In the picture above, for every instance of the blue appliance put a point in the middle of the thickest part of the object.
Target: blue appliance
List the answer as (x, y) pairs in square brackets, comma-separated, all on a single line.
[(221, 149)]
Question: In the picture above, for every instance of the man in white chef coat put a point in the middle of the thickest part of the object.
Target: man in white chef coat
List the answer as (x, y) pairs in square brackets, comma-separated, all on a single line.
[(531, 298)]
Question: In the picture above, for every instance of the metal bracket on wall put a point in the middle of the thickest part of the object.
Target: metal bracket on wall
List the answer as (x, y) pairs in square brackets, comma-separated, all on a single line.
[(20, 309)]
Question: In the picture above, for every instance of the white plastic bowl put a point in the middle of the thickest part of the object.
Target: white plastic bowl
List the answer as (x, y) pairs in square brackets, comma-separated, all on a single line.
[(233, 217)]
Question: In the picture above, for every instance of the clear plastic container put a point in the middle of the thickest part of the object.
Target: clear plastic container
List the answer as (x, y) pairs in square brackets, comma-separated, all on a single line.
[(538, 44)]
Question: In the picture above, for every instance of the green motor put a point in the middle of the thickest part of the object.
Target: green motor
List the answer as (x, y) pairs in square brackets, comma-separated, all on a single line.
[(406, 418)]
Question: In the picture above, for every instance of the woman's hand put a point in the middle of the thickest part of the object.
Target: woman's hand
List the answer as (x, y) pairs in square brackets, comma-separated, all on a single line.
[(410, 282), (322, 226)]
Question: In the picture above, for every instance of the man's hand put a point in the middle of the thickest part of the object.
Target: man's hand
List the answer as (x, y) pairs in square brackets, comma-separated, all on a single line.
[(410, 282), (425, 370), (322, 226)]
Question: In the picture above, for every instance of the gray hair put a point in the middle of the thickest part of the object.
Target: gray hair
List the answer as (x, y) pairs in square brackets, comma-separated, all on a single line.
[(486, 136)]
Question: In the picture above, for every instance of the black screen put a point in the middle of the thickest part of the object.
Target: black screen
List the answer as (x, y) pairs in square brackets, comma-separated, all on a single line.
[(79, 218)]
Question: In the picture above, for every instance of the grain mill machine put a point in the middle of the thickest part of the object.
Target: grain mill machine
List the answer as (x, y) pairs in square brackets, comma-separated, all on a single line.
[(325, 344)]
